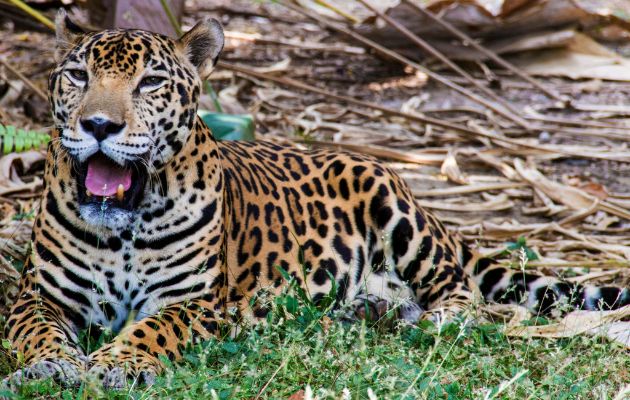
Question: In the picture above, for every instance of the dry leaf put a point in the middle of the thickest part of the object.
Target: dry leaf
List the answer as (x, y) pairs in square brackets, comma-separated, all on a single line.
[(465, 189), (596, 189), (387, 153), (575, 323), (234, 37), (582, 59), (618, 251), (346, 9), (602, 221), (10, 181), (617, 331), (503, 231), (7, 271), (280, 66), (497, 163), (326, 323), (12, 94), (624, 393), (8, 172), (537, 40), (299, 395), (452, 171), (498, 203), (572, 197), (228, 98), (606, 8), (594, 277), (325, 111)]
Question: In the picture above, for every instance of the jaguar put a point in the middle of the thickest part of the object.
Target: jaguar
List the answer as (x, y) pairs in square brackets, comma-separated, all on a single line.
[(150, 228)]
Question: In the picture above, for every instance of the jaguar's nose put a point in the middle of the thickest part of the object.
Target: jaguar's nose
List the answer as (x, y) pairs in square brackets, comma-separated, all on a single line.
[(101, 128)]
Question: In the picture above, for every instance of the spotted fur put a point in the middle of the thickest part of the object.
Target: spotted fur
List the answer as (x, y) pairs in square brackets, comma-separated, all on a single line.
[(215, 222)]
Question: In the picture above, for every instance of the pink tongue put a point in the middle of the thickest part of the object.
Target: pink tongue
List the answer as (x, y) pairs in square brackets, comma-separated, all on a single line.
[(104, 176)]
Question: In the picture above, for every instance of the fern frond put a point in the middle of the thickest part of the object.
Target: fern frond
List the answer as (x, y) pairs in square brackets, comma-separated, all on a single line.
[(17, 140)]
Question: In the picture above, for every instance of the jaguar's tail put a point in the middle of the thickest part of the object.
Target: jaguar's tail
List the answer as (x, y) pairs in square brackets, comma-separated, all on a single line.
[(539, 293)]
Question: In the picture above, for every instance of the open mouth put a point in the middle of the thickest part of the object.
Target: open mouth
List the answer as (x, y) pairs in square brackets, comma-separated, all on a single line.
[(103, 181)]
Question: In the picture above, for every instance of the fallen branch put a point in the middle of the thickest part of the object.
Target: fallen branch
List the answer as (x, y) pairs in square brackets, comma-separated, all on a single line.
[(606, 264), (535, 116), (33, 13), (572, 197), (404, 60), (466, 189), (257, 38), (499, 203), (467, 40), (350, 100), (435, 53), (477, 131), (384, 152), (24, 79), (574, 323), (227, 8)]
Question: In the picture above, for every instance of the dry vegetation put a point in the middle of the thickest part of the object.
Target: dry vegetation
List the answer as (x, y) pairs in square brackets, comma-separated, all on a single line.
[(552, 169)]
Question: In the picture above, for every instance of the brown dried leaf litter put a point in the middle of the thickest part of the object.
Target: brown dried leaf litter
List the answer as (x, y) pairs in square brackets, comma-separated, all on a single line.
[(562, 183)]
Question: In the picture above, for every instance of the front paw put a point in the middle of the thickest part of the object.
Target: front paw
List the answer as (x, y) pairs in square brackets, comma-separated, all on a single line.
[(444, 316), (63, 371), (116, 378), (115, 367)]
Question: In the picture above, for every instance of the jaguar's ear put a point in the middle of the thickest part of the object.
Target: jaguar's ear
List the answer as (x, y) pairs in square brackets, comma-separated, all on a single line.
[(202, 44), (67, 34)]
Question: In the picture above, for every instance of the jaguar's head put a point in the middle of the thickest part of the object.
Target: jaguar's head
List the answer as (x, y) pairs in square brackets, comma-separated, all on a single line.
[(124, 104)]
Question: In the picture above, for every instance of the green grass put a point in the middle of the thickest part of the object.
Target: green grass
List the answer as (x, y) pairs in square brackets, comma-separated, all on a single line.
[(301, 349)]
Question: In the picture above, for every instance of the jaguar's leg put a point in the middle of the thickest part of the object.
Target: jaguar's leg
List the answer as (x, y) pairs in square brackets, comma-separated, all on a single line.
[(448, 294), (135, 352), (430, 265), (43, 334)]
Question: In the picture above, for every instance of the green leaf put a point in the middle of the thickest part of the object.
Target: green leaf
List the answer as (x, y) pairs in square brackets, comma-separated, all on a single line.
[(17, 140), (7, 140), (521, 243), (231, 347), (228, 126), (531, 254), (213, 95), (291, 303), (20, 140)]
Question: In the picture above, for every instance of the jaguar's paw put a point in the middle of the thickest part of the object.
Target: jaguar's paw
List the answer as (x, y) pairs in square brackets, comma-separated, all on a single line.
[(63, 371), (116, 377)]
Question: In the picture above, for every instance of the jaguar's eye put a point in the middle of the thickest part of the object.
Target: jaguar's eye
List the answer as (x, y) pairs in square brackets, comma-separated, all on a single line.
[(78, 76), (151, 82)]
